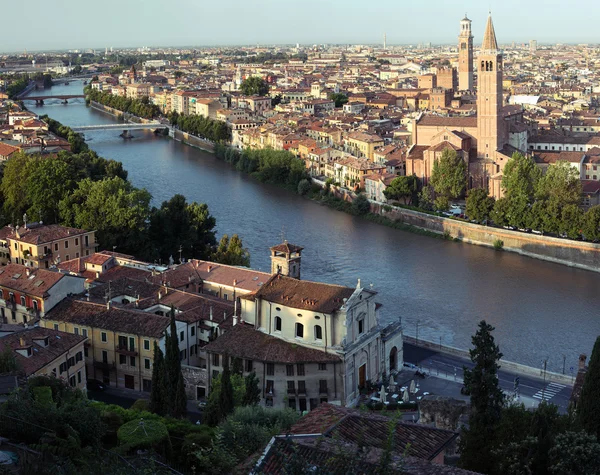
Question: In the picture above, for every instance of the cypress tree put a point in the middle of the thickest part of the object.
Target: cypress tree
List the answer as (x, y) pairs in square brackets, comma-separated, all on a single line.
[(158, 394), (226, 395), (180, 399), (588, 407), (172, 369), (252, 391), (487, 400)]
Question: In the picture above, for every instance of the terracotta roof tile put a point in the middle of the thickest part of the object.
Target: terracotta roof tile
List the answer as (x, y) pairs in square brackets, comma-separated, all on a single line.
[(38, 282)]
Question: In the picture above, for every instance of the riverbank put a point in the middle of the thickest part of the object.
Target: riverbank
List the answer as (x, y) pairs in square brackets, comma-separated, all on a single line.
[(578, 254)]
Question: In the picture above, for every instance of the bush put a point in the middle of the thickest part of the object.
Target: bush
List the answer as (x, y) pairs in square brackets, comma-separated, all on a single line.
[(441, 203), (498, 244), (361, 205), (141, 405), (447, 236), (303, 187), (144, 434)]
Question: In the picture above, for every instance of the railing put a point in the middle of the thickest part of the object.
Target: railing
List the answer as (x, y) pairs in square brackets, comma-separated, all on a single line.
[(124, 349), (104, 365)]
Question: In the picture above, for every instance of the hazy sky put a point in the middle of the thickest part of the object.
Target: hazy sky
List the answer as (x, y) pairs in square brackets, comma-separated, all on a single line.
[(70, 24)]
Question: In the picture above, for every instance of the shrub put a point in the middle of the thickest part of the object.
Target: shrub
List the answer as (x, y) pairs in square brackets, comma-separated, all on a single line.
[(140, 405), (361, 205), (303, 187), (447, 236), (441, 203), (143, 434), (498, 244)]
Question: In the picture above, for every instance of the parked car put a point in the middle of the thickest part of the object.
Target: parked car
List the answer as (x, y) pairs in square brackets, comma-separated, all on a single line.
[(456, 210), (95, 385)]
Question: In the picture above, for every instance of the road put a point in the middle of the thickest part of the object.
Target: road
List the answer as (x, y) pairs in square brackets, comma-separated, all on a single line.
[(531, 390)]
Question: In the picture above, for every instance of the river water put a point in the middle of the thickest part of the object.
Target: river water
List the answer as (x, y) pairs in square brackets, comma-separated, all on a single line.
[(540, 310)]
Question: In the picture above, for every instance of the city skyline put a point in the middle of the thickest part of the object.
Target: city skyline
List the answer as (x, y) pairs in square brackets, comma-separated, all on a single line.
[(144, 23)]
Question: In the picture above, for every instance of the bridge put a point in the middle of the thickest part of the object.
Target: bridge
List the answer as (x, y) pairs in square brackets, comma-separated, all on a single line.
[(40, 99), (124, 127)]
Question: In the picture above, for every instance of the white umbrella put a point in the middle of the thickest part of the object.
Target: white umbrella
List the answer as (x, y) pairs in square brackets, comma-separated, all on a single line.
[(412, 386), (405, 396), (382, 394)]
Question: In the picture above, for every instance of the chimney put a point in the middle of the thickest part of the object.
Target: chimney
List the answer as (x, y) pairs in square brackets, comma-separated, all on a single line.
[(22, 341), (159, 295), (108, 304), (582, 359), (235, 320), (28, 272), (209, 269), (234, 282), (211, 316), (358, 285)]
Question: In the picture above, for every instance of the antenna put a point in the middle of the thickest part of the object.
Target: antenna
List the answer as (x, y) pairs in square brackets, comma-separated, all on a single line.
[(282, 233)]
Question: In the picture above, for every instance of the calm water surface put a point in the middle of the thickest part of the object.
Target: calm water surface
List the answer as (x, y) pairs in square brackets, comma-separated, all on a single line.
[(540, 310)]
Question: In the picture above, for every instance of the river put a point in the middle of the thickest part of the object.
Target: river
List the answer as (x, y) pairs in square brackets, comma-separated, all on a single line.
[(540, 309)]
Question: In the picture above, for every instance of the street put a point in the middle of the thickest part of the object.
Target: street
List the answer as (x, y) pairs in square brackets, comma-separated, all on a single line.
[(441, 366)]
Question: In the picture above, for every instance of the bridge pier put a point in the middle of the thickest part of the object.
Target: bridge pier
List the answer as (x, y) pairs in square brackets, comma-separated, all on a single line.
[(39, 102), (126, 134), (66, 101)]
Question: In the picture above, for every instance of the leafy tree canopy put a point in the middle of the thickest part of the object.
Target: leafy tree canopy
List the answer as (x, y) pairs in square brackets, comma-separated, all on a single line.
[(254, 86), (449, 175)]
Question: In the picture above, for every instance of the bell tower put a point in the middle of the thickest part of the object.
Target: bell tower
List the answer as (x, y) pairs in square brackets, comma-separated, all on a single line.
[(286, 259), (490, 129), (465, 56)]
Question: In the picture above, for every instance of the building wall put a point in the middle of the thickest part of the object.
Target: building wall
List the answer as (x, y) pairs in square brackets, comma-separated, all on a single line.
[(74, 375)]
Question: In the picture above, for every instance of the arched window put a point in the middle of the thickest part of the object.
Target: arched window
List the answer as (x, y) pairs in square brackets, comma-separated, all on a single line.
[(491, 65), (483, 65), (35, 304), (278, 324), (299, 330), (23, 301), (318, 332)]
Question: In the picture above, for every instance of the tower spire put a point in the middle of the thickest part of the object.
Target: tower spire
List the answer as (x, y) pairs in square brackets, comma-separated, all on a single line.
[(489, 37)]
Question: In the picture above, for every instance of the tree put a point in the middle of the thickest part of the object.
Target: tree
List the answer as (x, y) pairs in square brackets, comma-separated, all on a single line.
[(520, 177), (441, 203), (588, 407), (8, 361), (487, 399), (252, 390), (561, 184), (339, 98), (226, 403), (50, 180), (173, 375), (114, 208), (426, 199), (402, 187), (571, 221), (449, 175), (231, 252), (591, 224), (361, 205), (158, 394), (303, 187), (254, 86), (575, 453), (479, 205)]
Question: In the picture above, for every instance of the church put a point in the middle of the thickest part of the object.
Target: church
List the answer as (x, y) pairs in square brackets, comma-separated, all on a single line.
[(486, 140)]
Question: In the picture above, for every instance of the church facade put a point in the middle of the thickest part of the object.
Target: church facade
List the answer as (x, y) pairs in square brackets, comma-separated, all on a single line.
[(486, 140)]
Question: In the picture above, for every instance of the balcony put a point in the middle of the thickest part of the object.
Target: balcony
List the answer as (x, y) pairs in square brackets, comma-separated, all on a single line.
[(104, 365), (291, 391), (124, 350)]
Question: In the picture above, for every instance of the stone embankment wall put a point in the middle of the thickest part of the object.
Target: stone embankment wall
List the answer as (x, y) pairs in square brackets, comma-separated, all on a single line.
[(505, 365), (583, 255), (188, 139)]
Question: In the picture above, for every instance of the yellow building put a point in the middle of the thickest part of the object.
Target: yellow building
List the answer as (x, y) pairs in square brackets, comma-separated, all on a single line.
[(120, 347), (40, 245), (40, 351), (362, 145)]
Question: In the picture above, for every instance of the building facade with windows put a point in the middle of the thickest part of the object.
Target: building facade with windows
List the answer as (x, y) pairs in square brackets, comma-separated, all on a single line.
[(41, 246), (41, 351)]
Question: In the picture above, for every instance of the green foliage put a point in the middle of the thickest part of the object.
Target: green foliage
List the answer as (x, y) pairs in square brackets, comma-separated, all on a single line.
[(158, 394), (498, 244), (303, 187), (176, 401), (226, 403), (43, 395), (591, 224), (575, 453), (114, 208), (560, 183), (279, 167), (588, 407), (75, 139), (361, 205), (339, 98), (213, 412), (138, 107), (254, 86), (402, 188), (141, 405), (441, 203), (479, 205), (180, 225), (426, 199), (449, 175), (204, 127), (231, 252), (8, 361), (487, 399), (252, 390), (17, 87), (520, 177), (143, 434)]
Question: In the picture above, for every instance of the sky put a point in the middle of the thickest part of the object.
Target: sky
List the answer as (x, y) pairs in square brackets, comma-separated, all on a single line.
[(77, 24)]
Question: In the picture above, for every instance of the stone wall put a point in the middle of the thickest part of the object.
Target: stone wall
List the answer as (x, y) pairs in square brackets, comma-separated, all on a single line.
[(194, 377), (188, 139)]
